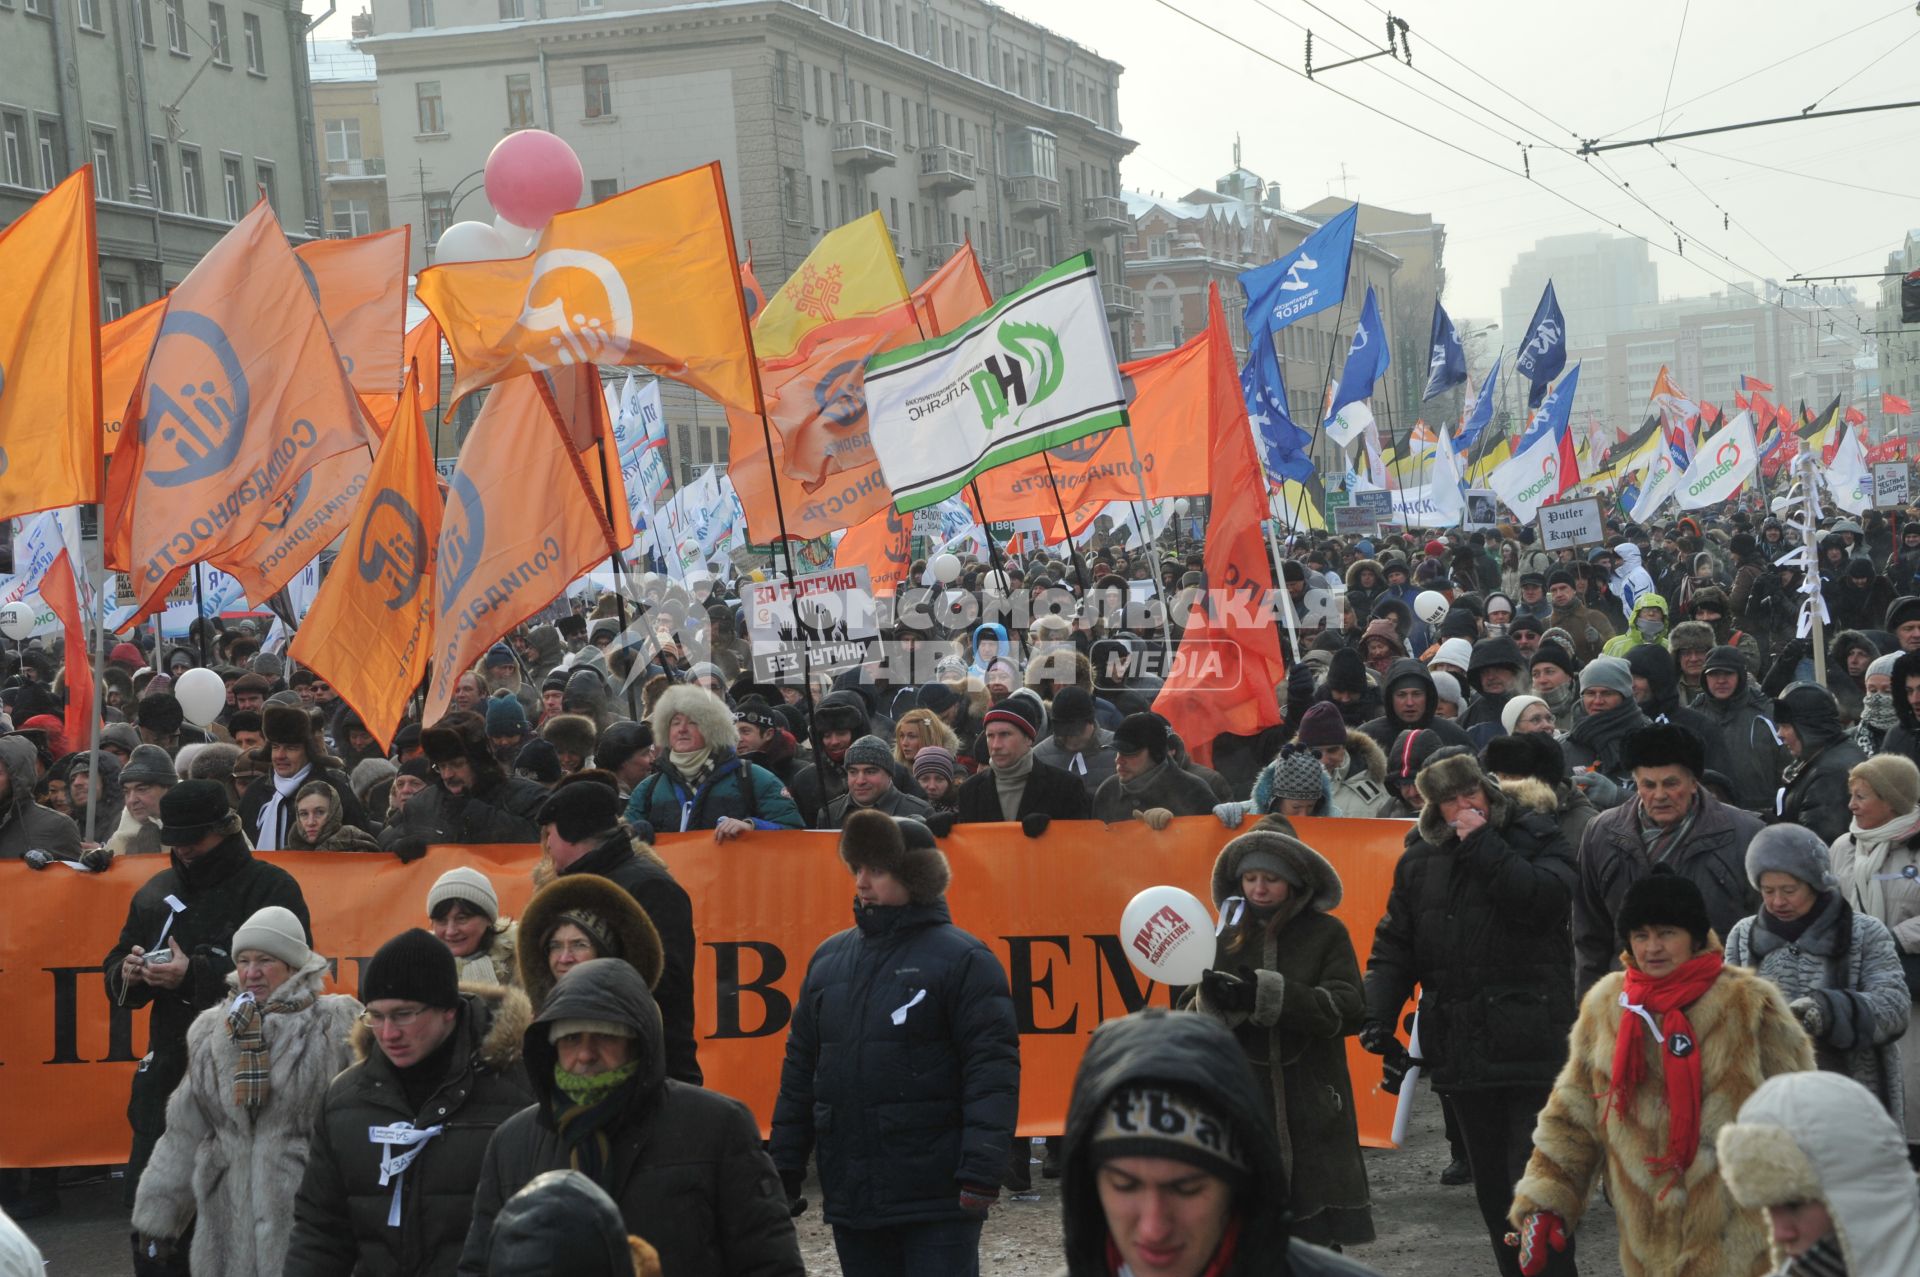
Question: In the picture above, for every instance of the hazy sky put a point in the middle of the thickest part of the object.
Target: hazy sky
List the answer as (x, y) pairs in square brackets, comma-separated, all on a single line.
[(1822, 197)]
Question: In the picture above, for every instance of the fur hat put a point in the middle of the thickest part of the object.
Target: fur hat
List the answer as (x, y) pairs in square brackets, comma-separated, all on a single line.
[(1893, 777), (1608, 672), (1664, 745), (573, 733), (159, 713), (287, 725), (1447, 778), (460, 735), (1789, 849), (274, 930), (1531, 754), (1322, 725), (579, 812), (1664, 898), (904, 849), (620, 926), (1691, 636), (708, 712)]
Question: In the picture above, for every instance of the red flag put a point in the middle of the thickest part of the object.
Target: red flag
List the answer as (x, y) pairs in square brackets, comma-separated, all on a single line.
[(1894, 405), (1739, 401), (1204, 696), (58, 592), (1754, 383)]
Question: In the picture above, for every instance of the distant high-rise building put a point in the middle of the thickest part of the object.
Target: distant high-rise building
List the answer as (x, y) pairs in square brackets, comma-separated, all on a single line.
[(1598, 278)]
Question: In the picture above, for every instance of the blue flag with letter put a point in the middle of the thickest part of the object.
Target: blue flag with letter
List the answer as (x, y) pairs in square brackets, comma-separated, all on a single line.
[(1446, 362), (1556, 411), (1544, 352), (1367, 358), (1482, 414), (1283, 444), (1304, 282)]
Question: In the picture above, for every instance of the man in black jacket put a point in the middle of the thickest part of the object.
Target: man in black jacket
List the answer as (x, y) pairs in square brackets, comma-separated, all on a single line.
[(1412, 705), (683, 1164), (472, 799), (295, 754), (1815, 783), (177, 961), (903, 1066), (580, 828), (1014, 785)]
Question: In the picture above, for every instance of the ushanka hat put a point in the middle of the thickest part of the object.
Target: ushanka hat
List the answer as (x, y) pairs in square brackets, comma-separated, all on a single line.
[(904, 849)]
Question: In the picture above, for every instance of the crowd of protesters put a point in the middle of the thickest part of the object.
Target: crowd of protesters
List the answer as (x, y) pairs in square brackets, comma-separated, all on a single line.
[(1660, 859)]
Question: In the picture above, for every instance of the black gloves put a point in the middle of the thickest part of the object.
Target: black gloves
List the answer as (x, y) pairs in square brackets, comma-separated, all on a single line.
[(1228, 991), (791, 1182), (1393, 1068), (1036, 824), (940, 822), (1377, 1038)]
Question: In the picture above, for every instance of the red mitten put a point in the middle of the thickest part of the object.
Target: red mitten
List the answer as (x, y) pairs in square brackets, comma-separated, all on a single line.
[(1541, 1234)]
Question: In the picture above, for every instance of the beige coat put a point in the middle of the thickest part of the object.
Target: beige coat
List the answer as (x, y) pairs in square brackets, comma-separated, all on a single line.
[(1900, 910)]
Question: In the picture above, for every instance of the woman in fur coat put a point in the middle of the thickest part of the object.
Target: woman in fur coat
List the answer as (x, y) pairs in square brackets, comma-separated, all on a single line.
[(239, 1125), (1287, 983), (1663, 1055)]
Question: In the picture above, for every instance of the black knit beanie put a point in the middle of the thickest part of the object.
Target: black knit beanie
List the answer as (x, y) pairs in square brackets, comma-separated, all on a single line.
[(414, 966)]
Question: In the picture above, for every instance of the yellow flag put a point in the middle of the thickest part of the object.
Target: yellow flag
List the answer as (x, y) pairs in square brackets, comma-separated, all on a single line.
[(851, 271)]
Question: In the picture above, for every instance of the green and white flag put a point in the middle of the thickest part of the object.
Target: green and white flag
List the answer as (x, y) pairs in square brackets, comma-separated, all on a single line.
[(1035, 371)]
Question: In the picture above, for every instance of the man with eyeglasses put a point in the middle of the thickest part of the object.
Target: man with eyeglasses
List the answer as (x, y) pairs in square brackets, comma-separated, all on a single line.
[(398, 1144)]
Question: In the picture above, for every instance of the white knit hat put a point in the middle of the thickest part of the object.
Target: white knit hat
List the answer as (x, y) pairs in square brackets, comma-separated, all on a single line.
[(1456, 652), (469, 886), (275, 931)]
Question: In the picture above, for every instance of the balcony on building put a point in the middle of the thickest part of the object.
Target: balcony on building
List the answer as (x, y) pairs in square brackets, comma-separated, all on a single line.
[(944, 170), (863, 145), (940, 253), (1102, 216), (1033, 187), (372, 168), (1031, 197), (1120, 300)]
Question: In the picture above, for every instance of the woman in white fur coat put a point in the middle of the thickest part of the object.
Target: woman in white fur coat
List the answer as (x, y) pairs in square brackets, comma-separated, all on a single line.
[(239, 1125)]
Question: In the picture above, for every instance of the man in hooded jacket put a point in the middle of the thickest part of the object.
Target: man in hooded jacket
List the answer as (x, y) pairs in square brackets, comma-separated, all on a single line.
[(1412, 704), (1814, 786), (684, 1164), (1752, 756), (471, 800), (24, 824)]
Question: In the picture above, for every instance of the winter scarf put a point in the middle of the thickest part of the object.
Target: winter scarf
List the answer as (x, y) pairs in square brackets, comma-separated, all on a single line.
[(1011, 782), (275, 815), (1641, 998), (1826, 1258), (1659, 841), (583, 1109), (1146, 780), (247, 1026), (1876, 711), (1870, 848), (694, 766)]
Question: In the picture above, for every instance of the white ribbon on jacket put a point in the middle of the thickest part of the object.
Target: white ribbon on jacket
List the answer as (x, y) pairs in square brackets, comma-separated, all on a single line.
[(399, 1135)]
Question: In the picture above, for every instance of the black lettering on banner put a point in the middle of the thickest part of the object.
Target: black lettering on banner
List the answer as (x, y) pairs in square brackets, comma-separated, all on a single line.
[(66, 1019), (728, 988), (1025, 983), (1110, 958)]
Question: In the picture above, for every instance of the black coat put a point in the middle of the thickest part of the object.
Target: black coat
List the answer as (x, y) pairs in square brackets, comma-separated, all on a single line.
[(340, 1217), (261, 791), (1816, 796), (684, 1164), (1050, 791), (1387, 728), (499, 809), (1482, 928), (665, 902), (901, 1112)]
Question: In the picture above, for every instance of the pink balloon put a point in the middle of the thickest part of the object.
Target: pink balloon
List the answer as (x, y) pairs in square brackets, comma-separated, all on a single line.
[(531, 175)]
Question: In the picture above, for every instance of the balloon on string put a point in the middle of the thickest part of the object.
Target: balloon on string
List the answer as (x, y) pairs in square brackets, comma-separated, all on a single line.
[(1431, 606), (16, 621), (1168, 935), (1180, 507), (469, 242), (531, 175), (518, 239), (202, 695), (946, 568)]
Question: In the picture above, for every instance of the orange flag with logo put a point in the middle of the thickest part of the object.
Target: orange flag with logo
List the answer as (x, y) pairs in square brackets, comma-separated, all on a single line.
[(646, 277), (514, 534), (818, 404), (58, 591), (299, 525), (50, 354), (884, 543), (124, 347), (361, 285), (853, 490), (1229, 662), (370, 624), (242, 397)]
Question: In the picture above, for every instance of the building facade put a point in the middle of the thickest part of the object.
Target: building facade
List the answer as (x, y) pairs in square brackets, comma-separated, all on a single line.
[(1598, 278), (185, 108), (1898, 354), (349, 142)]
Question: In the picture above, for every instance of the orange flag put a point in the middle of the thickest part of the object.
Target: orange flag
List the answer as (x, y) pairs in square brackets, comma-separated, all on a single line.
[(1229, 661), (515, 533), (647, 277), (951, 295), (420, 355), (818, 402), (299, 525), (242, 397), (58, 592), (361, 285), (369, 627), (124, 347), (50, 353), (1169, 400), (884, 543)]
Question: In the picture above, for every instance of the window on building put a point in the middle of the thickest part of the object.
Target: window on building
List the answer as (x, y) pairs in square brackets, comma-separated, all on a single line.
[(113, 299), (782, 69), (833, 94), (819, 95), (352, 217), (916, 32), (886, 108), (886, 24), (89, 14), (973, 54), (946, 46), (420, 13), (1160, 320), (512, 10), (53, 153), (176, 26), (793, 196), (233, 186), (1053, 87), (439, 214), (143, 21), (604, 188), (1006, 72), (343, 140), (217, 33), (913, 224), (598, 86), (1021, 68), (193, 183), (520, 101), (104, 185), (826, 199), (426, 96), (159, 180), (846, 212), (255, 42), (38, 8), (1158, 245), (268, 182), (13, 149)]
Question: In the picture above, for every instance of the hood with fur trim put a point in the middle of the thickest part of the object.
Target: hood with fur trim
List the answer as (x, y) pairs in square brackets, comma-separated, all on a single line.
[(708, 712), (1363, 749), (1322, 881), (633, 931), (496, 1015), (1532, 795), (1359, 565)]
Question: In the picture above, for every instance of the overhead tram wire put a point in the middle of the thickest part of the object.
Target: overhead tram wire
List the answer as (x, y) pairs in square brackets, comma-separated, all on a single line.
[(1679, 39), (1889, 52)]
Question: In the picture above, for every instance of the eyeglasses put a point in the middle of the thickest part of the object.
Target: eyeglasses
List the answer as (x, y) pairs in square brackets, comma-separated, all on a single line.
[(402, 1019)]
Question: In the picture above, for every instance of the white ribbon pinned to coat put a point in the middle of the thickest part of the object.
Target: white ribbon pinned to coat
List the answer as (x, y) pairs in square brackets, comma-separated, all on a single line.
[(401, 1135)]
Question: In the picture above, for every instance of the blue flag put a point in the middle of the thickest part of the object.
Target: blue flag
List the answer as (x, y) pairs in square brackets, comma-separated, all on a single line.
[(1446, 362), (1308, 280), (1367, 358), (1283, 444), (1556, 410), (1544, 353), (1482, 414)]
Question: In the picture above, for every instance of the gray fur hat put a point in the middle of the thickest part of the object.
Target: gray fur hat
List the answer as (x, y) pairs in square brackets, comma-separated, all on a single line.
[(1789, 849), (902, 848)]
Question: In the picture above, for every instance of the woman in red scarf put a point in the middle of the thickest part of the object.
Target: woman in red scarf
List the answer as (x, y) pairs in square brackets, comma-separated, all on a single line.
[(1662, 1056)]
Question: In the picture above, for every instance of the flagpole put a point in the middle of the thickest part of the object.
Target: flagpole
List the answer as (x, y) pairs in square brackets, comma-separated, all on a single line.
[(1066, 530), (1326, 384), (1153, 553), (95, 700), (200, 608), (618, 562)]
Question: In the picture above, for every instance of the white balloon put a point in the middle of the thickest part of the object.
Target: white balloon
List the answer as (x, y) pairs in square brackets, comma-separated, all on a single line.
[(519, 239), (201, 695), (1168, 935), (16, 621), (1180, 507), (946, 568), (470, 242), (1431, 607)]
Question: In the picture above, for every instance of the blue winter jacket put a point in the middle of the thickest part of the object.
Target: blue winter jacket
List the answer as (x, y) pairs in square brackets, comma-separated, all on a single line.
[(736, 788)]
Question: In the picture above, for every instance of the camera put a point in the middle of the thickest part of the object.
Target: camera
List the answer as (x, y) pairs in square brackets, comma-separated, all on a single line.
[(159, 957)]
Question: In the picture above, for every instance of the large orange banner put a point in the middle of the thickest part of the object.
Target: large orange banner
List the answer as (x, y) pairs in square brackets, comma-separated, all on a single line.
[(1048, 907)]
